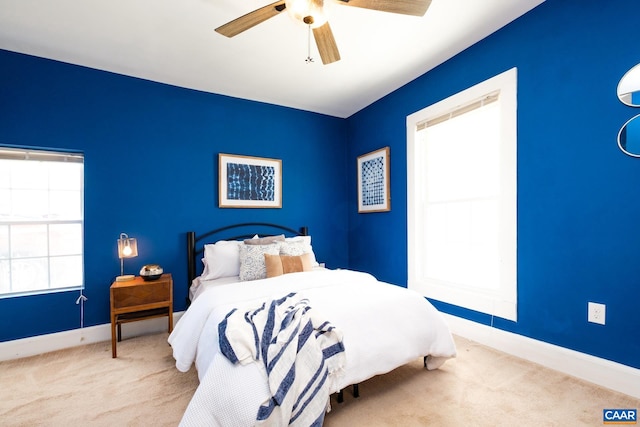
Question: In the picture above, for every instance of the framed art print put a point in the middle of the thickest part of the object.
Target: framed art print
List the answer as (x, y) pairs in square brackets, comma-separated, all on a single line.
[(249, 182), (373, 182)]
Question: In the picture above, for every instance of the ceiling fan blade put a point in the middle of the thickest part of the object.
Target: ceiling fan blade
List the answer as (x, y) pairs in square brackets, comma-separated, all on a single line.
[(326, 44), (251, 19), (404, 7)]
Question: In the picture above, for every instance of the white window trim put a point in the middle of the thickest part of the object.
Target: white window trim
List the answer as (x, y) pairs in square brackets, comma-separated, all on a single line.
[(502, 303), (49, 156)]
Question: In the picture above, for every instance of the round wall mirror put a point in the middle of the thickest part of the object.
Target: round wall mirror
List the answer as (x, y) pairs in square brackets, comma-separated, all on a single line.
[(629, 87), (629, 137)]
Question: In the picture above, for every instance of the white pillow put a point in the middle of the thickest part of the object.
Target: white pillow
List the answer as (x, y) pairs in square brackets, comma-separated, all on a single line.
[(295, 246), (252, 265), (221, 259)]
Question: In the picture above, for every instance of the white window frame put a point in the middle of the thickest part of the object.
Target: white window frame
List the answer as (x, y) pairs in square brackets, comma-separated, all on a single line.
[(30, 155), (503, 301)]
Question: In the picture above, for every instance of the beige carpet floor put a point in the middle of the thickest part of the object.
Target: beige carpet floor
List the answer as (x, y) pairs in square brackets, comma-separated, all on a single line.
[(84, 386)]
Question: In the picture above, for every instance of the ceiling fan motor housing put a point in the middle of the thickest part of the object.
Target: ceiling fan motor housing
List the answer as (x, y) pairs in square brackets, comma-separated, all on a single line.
[(309, 12)]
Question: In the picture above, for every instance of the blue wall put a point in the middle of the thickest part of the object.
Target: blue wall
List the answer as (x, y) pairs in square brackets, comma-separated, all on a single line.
[(578, 197), (577, 193), (151, 171)]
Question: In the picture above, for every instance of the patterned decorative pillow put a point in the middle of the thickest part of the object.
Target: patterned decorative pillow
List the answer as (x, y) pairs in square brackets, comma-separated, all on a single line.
[(252, 265), (294, 246)]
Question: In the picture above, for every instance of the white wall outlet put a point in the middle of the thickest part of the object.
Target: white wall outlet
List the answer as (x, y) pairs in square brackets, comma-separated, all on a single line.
[(597, 313)]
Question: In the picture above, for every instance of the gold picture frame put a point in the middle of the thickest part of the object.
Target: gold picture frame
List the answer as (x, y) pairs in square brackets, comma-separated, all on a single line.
[(373, 181), (249, 182)]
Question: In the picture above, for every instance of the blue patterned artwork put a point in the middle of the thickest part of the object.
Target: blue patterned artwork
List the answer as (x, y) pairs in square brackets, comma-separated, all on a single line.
[(250, 182), (373, 181)]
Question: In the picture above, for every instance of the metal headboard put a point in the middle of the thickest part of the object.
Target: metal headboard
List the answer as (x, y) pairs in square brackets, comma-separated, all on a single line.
[(195, 243)]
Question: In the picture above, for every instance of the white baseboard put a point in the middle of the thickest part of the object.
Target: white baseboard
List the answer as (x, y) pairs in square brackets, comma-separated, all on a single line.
[(605, 373), (51, 342)]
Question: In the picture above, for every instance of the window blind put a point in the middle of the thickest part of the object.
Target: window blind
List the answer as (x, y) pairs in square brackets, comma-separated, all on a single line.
[(460, 110), (40, 155)]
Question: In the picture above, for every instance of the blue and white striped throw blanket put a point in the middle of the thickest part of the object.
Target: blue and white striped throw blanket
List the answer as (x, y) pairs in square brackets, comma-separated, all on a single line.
[(299, 352)]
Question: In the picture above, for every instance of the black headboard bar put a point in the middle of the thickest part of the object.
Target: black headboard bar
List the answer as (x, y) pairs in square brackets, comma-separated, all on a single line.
[(192, 240), (252, 224), (191, 260)]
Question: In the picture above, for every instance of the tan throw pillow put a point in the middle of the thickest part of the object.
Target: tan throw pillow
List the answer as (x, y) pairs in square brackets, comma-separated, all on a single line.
[(274, 265), (278, 265)]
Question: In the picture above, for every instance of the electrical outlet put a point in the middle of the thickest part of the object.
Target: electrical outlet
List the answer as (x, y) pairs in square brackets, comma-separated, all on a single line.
[(597, 313)]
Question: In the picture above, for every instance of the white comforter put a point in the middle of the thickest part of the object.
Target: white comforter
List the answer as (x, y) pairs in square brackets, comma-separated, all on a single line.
[(384, 326)]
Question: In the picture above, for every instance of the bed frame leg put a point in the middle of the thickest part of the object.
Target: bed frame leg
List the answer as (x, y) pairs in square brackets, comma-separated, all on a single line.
[(356, 390), (340, 396)]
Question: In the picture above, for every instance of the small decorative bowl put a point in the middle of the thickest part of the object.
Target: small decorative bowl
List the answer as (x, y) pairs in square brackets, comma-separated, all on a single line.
[(151, 272)]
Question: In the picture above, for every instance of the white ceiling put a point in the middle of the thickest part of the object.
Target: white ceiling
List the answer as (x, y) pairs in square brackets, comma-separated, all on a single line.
[(174, 42)]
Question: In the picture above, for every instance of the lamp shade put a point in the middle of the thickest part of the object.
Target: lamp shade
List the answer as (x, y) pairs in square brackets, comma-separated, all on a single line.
[(127, 247)]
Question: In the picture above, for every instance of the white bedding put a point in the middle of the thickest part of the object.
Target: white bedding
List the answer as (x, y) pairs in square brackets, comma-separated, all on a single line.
[(384, 326)]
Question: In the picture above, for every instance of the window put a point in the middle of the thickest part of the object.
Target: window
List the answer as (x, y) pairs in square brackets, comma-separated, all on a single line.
[(41, 221), (462, 184)]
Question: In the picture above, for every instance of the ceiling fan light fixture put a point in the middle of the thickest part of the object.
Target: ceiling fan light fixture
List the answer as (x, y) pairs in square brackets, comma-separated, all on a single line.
[(308, 12)]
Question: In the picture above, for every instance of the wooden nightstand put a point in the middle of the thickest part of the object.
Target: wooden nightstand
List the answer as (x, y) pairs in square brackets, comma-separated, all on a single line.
[(138, 299)]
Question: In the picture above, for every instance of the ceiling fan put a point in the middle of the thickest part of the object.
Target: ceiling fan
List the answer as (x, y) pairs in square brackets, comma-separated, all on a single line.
[(311, 13)]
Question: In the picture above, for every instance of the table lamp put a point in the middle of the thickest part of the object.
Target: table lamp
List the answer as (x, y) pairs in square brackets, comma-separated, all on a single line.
[(127, 248)]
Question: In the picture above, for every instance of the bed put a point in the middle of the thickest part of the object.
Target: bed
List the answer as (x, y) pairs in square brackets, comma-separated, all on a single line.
[(377, 326)]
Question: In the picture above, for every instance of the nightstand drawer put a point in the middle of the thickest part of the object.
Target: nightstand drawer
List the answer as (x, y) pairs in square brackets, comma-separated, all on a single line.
[(147, 293)]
